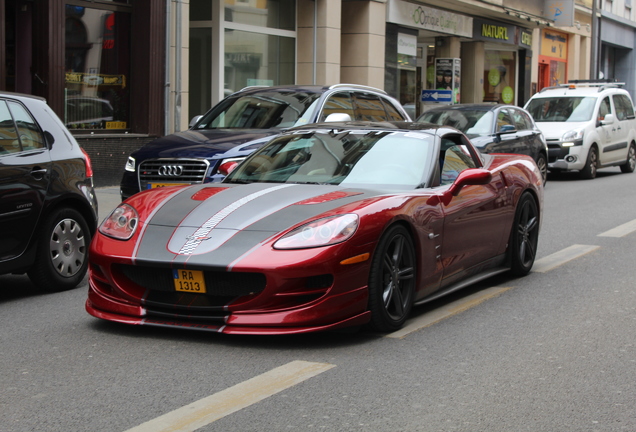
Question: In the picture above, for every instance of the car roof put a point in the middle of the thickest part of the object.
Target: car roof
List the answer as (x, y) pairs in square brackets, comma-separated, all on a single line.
[(310, 88), (21, 96), (470, 107), (580, 90)]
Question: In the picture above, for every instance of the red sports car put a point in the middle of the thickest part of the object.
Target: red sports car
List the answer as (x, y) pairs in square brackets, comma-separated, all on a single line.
[(327, 226)]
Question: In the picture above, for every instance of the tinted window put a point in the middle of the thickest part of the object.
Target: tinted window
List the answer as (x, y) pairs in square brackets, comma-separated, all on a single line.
[(261, 110), (504, 119), (338, 103), (9, 142), (369, 107), (521, 119), (392, 112), (454, 159), (30, 136), (624, 107)]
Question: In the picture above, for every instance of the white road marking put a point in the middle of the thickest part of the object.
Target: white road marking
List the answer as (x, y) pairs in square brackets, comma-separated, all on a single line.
[(228, 401), (441, 313), (553, 261), (620, 231)]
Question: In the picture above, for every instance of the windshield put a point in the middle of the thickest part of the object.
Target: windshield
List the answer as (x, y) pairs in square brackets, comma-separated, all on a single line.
[(351, 157), (263, 110), (562, 109), (471, 122)]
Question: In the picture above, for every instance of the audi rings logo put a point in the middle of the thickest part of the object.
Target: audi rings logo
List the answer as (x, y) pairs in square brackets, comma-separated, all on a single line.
[(171, 170)]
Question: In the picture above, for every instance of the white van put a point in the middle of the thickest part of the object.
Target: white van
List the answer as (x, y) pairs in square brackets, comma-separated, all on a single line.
[(587, 125)]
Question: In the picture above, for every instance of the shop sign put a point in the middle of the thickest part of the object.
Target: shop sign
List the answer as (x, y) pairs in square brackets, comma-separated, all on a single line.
[(554, 44), (493, 31), (426, 18), (561, 11), (407, 44), (95, 79)]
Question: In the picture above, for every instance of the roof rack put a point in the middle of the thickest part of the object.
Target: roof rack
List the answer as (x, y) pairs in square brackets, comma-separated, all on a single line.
[(358, 86), (601, 84)]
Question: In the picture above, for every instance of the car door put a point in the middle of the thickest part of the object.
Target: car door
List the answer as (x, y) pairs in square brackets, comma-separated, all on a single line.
[(24, 177), (624, 122), (607, 132), (475, 219)]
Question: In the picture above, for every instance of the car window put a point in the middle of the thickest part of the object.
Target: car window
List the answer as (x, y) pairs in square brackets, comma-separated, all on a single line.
[(338, 103), (624, 107), (504, 119), (9, 142), (562, 109), (454, 158), (604, 109), (28, 131), (521, 119), (392, 112), (368, 107)]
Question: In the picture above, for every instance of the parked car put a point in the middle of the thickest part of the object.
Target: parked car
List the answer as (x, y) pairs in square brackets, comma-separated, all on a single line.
[(327, 226), (241, 123), (48, 207), (588, 125), (495, 129)]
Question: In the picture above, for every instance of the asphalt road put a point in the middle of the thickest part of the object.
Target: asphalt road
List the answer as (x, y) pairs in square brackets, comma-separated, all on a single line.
[(553, 351)]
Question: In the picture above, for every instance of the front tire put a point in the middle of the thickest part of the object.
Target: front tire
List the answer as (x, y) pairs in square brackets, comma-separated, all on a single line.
[(630, 163), (524, 236), (62, 251), (591, 164), (392, 280)]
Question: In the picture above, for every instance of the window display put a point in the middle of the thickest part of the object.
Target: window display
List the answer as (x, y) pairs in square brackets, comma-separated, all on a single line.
[(500, 76)]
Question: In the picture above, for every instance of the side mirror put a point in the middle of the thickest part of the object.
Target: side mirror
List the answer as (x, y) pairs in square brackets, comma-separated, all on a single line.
[(608, 120), (194, 120), (506, 129), (338, 117), (468, 177)]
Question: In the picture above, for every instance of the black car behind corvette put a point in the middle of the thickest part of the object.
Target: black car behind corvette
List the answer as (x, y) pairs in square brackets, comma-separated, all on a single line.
[(48, 209), (495, 128)]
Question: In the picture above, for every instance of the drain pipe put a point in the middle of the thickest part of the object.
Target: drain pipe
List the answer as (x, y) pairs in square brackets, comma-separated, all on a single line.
[(315, 57), (166, 91), (177, 67)]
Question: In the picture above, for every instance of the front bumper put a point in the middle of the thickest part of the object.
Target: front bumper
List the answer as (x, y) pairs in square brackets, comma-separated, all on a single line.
[(566, 157)]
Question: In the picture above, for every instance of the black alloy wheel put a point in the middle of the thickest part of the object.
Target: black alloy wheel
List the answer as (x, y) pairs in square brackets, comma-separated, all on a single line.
[(392, 280), (524, 235)]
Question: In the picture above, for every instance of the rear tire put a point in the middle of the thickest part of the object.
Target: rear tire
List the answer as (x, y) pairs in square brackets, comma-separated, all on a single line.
[(524, 236), (392, 280), (591, 164), (542, 163), (630, 163), (62, 251)]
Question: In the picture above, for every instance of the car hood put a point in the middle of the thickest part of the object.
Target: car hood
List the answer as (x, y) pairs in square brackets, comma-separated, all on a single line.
[(202, 143), (221, 222), (555, 130)]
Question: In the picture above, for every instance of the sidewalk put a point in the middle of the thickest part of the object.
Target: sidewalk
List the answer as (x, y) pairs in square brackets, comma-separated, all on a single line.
[(107, 199)]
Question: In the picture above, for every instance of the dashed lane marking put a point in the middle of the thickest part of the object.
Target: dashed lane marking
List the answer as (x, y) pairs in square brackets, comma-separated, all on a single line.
[(553, 261), (228, 401), (620, 231), (441, 313)]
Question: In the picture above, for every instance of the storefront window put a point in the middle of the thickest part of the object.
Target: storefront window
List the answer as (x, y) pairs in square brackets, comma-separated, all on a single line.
[(97, 63), (278, 14), (258, 59), (500, 76)]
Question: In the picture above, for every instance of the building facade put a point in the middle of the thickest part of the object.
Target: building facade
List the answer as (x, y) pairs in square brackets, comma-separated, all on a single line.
[(122, 72)]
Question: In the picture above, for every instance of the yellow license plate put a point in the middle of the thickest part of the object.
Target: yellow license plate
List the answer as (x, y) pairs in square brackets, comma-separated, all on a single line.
[(191, 281), (158, 185)]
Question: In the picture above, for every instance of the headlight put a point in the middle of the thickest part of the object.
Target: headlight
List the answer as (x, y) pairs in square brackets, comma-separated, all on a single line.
[(130, 164), (321, 232), (573, 135), (121, 224)]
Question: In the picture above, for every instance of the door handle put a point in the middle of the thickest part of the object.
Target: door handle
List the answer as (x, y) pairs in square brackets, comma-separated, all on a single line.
[(38, 173)]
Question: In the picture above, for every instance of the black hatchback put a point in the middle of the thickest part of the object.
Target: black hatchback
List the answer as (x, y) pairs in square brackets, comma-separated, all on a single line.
[(48, 208), (495, 129)]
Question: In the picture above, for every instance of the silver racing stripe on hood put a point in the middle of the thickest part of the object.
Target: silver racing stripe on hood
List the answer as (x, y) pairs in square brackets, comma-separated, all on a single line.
[(201, 234)]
